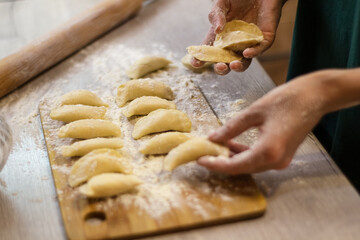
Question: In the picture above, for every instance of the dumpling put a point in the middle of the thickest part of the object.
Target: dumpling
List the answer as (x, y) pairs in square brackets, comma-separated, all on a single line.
[(83, 147), (70, 113), (191, 150), (109, 184), (162, 120), (186, 61), (81, 96), (145, 105), (238, 35), (213, 54), (142, 87), (146, 65), (164, 142), (89, 128), (98, 161)]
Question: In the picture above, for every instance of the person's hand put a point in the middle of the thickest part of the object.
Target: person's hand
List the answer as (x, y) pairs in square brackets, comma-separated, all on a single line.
[(264, 13), (283, 117)]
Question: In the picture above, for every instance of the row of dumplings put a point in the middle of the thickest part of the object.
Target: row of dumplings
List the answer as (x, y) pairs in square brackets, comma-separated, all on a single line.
[(152, 98), (104, 170)]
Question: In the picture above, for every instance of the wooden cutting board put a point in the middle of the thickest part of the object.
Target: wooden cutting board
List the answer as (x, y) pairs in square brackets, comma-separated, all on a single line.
[(189, 197)]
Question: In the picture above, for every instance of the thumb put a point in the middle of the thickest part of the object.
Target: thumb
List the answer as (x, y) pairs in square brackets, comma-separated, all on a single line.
[(219, 22), (210, 37), (217, 16)]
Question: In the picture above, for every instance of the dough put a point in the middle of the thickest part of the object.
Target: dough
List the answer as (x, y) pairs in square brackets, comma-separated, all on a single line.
[(89, 128), (83, 147), (212, 54), (98, 161), (70, 113), (162, 120), (145, 105), (238, 35), (84, 97), (142, 87), (109, 184), (186, 61), (191, 150), (163, 143), (146, 65)]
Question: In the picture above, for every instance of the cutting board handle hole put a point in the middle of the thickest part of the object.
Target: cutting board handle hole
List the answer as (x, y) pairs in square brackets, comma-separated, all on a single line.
[(95, 218)]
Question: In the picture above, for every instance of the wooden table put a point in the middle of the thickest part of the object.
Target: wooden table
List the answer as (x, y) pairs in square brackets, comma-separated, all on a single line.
[(309, 200)]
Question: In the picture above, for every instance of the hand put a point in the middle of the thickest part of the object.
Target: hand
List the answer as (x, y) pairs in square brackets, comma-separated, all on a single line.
[(265, 13), (283, 117)]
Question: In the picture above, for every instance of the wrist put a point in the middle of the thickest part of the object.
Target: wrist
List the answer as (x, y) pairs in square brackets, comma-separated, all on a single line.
[(338, 88)]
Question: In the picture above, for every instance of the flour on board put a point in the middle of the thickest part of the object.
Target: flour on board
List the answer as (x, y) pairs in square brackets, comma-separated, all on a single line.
[(161, 191)]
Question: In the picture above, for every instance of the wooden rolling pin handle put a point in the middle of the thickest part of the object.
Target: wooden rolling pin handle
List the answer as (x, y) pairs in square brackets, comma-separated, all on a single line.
[(36, 57)]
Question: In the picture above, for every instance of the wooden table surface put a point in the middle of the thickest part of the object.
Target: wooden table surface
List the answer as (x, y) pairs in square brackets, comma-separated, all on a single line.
[(309, 200)]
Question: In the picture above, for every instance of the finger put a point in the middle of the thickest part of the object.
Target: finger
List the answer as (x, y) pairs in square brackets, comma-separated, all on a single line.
[(196, 63), (236, 125), (221, 68), (261, 47), (236, 147), (247, 162), (240, 66), (268, 153), (242, 163), (264, 155), (217, 164), (217, 16), (210, 37)]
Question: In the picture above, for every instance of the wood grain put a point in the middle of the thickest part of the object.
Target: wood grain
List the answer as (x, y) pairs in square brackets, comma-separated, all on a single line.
[(48, 50), (220, 198), (311, 199)]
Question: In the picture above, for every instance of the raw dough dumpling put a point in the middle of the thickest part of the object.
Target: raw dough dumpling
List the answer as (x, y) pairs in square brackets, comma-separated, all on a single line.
[(191, 150), (186, 61), (213, 54), (163, 143), (145, 105), (89, 128), (238, 35), (81, 96), (70, 113), (142, 87), (109, 184), (98, 161), (146, 65), (162, 120), (83, 147)]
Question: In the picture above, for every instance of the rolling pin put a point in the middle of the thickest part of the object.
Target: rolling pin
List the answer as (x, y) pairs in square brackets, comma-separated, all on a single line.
[(41, 54)]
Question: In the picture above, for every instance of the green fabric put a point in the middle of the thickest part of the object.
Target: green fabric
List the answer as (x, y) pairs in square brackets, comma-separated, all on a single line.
[(327, 35)]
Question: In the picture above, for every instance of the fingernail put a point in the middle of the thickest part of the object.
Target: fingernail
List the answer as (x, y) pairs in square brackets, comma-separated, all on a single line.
[(195, 62), (207, 160), (223, 72), (218, 28), (211, 159), (246, 53)]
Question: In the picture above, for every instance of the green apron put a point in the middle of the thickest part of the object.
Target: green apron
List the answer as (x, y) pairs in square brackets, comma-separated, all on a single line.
[(327, 35)]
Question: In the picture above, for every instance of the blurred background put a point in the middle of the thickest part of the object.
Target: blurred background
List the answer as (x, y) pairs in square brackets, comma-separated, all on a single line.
[(276, 59)]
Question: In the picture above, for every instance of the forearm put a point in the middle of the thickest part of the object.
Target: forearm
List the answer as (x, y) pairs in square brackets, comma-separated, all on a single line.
[(341, 88)]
